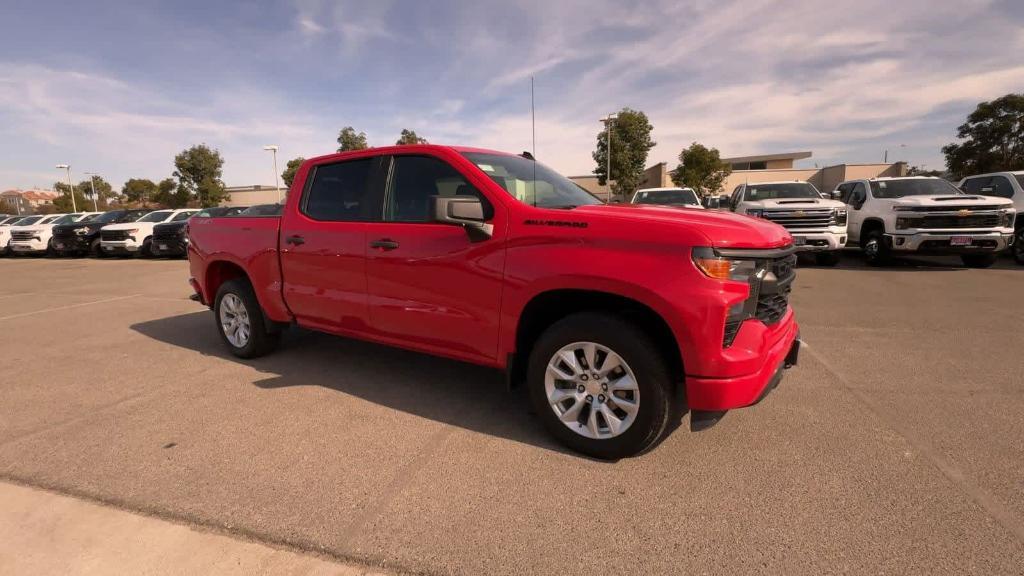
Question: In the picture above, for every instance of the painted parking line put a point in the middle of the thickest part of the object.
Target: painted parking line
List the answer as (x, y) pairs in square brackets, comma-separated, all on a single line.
[(68, 307)]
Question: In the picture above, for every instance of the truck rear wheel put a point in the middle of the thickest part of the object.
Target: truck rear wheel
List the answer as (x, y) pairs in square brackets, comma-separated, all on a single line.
[(600, 385), (978, 260), (240, 321)]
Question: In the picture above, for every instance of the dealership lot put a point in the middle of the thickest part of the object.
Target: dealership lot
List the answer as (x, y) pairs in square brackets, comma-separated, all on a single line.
[(896, 445)]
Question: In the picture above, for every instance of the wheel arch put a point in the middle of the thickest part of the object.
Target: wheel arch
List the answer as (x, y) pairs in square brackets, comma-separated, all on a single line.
[(550, 306)]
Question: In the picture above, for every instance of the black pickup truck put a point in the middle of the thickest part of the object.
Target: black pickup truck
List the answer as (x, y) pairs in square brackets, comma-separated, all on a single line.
[(82, 238), (170, 240)]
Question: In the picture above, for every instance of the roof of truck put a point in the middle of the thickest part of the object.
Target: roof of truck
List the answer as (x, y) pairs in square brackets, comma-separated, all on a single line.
[(406, 147)]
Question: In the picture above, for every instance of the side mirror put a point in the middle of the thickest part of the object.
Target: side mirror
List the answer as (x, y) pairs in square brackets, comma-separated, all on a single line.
[(835, 194), (464, 211), (725, 201)]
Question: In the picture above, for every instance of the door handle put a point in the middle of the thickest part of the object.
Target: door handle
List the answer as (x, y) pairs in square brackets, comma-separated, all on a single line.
[(296, 240), (384, 244)]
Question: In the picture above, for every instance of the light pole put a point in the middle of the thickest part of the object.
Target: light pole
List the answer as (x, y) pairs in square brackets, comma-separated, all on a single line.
[(92, 182), (74, 208), (277, 182), (608, 138), (885, 159)]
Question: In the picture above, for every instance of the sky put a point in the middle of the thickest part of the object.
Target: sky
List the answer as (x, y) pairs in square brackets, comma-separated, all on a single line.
[(118, 88)]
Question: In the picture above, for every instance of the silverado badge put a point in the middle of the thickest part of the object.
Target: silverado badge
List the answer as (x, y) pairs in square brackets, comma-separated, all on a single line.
[(963, 212)]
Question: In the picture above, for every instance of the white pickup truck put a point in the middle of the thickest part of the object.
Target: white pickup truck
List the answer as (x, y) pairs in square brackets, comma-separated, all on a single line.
[(1009, 185), (137, 237), (925, 215), (35, 237), (817, 224)]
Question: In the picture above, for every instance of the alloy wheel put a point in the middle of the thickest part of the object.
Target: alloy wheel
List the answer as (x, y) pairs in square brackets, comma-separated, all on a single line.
[(592, 390), (234, 320)]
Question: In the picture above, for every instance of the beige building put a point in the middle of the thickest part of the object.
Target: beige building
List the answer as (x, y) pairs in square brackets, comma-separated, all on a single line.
[(252, 195), (779, 167)]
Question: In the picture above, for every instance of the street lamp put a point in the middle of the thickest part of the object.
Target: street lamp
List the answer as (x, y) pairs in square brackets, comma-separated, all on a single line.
[(71, 186), (608, 139), (277, 182), (885, 159), (92, 182)]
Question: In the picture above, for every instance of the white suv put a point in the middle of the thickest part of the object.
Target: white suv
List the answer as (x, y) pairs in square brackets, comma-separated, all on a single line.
[(35, 237), (925, 215), (137, 237), (817, 224), (1008, 185), (683, 197)]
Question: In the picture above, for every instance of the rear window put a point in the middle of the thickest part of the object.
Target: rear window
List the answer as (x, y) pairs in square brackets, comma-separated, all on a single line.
[(182, 216), (671, 197), (155, 216), (340, 192), (757, 192), (262, 210)]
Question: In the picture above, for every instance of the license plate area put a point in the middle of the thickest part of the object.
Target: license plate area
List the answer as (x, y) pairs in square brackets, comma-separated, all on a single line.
[(799, 241), (961, 241)]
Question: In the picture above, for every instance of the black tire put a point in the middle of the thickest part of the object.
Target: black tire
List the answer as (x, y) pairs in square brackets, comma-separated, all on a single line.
[(147, 249), (639, 352), (826, 258), (978, 260), (1018, 246), (96, 250), (260, 342), (876, 251), (51, 252)]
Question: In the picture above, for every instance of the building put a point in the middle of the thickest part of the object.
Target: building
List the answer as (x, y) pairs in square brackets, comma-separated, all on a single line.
[(26, 201), (252, 195), (779, 167), (654, 177)]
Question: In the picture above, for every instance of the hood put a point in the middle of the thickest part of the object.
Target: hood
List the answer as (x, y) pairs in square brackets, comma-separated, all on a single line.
[(64, 228), (795, 203), (129, 225), (169, 226), (719, 229), (951, 201)]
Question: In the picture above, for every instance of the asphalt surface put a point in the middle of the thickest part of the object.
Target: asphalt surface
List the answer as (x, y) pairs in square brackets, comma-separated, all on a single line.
[(896, 446)]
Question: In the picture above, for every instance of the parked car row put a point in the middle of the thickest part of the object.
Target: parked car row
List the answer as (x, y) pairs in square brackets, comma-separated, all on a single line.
[(140, 232), (884, 217)]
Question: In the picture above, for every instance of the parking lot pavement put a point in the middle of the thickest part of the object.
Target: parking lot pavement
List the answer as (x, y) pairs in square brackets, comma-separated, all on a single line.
[(896, 446)]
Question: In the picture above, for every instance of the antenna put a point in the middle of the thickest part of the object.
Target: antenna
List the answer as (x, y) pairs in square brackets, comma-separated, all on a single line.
[(533, 131)]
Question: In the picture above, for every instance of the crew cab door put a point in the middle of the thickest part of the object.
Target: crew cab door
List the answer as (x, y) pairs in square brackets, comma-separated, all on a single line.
[(855, 195), (323, 246), (431, 285)]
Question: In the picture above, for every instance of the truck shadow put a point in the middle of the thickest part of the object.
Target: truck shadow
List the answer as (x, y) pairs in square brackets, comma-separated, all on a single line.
[(463, 395)]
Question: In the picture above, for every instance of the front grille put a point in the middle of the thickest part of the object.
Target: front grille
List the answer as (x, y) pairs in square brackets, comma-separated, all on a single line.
[(969, 221), (801, 219), (773, 297), (24, 236), (114, 235), (166, 236)]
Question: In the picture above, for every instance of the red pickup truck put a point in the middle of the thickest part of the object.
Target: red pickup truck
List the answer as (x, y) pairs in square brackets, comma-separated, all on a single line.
[(612, 315)]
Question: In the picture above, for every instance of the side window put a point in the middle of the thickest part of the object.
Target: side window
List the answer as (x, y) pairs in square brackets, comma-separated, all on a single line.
[(1001, 187), (859, 194), (737, 195), (844, 192), (976, 185), (414, 182), (340, 192)]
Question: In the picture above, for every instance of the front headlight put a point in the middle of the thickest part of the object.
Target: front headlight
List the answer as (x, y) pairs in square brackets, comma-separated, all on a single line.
[(719, 268), (82, 231), (840, 214), (1006, 218), (902, 223), (755, 213)]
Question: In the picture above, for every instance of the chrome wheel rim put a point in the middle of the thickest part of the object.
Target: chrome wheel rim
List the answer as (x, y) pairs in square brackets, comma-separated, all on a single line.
[(234, 320), (592, 390), (871, 248)]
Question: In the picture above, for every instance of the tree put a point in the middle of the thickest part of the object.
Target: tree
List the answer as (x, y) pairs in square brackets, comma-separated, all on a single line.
[(348, 139), (992, 139), (631, 141), (171, 194), (63, 202), (141, 190), (290, 169), (198, 170), (104, 192), (920, 171), (410, 137), (700, 168)]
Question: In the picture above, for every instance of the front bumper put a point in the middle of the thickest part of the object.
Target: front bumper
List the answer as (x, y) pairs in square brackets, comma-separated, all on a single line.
[(71, 243), (119, 247), (818, 241), (942, 242), (27, 246), (169, 247), (717, 394)]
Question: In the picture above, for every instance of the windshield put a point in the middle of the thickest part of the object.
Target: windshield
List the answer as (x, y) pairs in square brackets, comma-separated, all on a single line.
[(66, 219), (105, 218), (681, 196), (531, 182), (912, 187), (1020, 179), (159, 216), (29, 220), (786, 190), (182, 216), (7, 221)]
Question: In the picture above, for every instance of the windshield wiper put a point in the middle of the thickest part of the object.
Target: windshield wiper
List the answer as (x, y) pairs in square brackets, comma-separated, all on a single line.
[(563, 207)]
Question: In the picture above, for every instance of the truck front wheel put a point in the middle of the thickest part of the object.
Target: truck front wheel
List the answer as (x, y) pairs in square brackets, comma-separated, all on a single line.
[(240, 321), (876, 251), (600, 385)]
